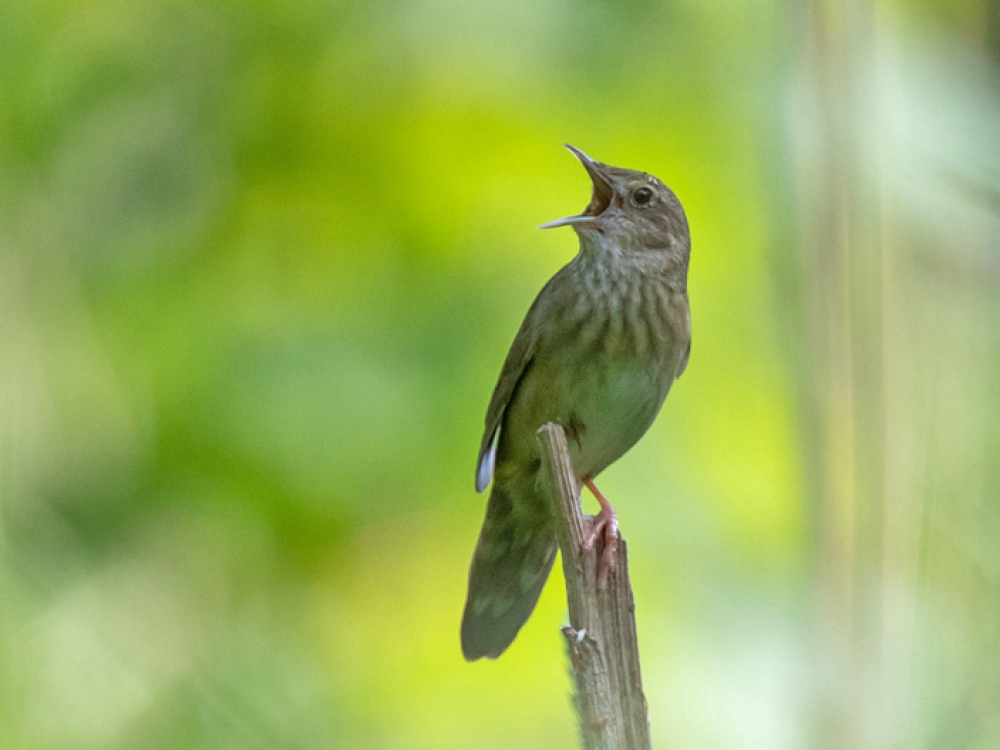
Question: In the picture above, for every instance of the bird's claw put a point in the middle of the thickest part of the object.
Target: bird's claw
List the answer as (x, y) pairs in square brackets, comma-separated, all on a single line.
[(605, 524)]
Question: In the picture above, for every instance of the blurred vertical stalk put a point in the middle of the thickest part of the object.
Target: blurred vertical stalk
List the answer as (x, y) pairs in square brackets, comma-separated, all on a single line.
[(897, 256), (843, 401)]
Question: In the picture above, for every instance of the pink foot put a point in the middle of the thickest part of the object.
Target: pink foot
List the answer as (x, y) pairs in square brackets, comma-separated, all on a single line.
[(604, 523)]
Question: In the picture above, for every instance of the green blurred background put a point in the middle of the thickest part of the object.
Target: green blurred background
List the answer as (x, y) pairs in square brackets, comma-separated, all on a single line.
[(259, 267)]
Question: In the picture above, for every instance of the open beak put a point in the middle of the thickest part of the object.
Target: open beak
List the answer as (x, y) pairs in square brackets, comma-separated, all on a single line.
[(599, 201)]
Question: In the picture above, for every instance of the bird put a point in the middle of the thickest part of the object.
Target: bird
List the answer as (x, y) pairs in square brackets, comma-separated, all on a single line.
[(597, 353)]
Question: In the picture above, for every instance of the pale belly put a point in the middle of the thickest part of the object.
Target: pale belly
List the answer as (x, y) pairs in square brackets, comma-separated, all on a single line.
[(605, 410), (608, 415)]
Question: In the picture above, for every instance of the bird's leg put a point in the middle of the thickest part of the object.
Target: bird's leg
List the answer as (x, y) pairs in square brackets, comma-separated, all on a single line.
[(605, 522)]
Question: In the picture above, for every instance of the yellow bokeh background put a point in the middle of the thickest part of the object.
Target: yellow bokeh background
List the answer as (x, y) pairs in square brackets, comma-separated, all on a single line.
[(259, 267)]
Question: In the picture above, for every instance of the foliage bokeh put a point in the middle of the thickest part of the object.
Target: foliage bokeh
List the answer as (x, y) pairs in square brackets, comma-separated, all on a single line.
[(259, 267)]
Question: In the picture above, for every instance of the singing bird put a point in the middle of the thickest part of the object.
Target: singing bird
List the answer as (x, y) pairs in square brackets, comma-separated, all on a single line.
[(597, 353)]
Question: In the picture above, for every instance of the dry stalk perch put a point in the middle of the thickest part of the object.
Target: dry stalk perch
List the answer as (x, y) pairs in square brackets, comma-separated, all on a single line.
[(601, 635)]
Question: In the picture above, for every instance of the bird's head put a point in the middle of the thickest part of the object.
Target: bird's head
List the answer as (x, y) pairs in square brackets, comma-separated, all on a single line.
[(629, 212)]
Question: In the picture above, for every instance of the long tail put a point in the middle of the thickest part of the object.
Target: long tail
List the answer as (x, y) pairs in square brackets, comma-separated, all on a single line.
[(513, 557)]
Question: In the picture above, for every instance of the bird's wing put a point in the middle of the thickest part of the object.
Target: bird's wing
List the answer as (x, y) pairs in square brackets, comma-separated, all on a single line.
[(522, 351)]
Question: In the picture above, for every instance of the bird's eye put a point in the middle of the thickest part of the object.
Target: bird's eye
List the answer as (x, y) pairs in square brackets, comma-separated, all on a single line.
[(642, 196)]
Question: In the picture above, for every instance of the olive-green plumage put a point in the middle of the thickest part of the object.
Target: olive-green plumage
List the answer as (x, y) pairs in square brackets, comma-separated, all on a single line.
[(597, 352)]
